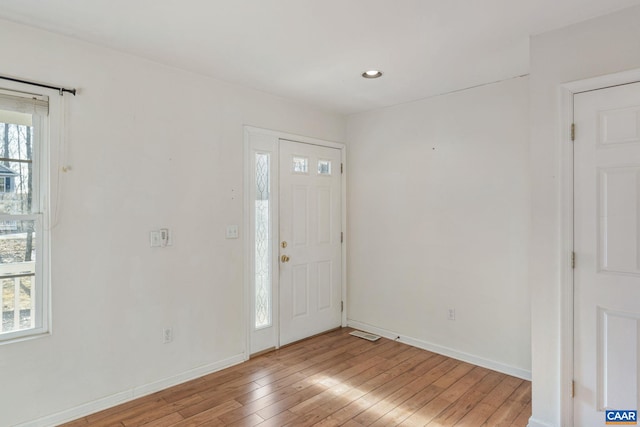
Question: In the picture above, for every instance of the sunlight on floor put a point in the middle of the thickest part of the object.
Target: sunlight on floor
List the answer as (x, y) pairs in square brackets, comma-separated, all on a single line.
[(367, 400)]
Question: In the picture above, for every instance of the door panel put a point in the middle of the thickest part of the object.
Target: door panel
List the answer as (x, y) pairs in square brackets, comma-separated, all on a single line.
[(325, 290), (300, 216), (607, 279), (310, 224), (619, 370), (324, 215), (300, 286), (618, 235)]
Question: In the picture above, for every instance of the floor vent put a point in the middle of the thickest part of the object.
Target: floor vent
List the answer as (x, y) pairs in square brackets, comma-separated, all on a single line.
[(365, 335)]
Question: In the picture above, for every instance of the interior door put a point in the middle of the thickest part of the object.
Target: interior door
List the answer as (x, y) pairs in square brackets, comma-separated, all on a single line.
[(607, 247), (310, 235)]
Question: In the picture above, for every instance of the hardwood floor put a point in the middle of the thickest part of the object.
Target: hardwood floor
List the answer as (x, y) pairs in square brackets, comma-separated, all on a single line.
[(330, 380)]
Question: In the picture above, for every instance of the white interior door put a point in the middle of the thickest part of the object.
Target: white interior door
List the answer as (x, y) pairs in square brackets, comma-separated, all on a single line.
[(607, 246), (310, 240)]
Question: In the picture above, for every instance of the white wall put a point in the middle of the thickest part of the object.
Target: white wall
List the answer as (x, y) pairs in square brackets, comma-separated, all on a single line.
[(149, 146), (598, 47), (438, 202)]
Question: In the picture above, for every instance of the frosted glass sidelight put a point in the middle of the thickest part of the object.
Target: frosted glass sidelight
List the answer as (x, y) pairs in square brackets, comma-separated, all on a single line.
[(262, 244)]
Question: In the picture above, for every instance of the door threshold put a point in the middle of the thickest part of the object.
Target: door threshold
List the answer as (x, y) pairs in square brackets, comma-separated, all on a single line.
[(261, 353), (312, 336)]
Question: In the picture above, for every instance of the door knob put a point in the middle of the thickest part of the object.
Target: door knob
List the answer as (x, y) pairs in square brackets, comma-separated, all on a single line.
[(284, 258)]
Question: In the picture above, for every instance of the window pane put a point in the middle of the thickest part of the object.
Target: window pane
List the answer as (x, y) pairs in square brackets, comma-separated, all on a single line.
[(300, 165), (263, 244), (17, 275), (16, 167), (324, 167)]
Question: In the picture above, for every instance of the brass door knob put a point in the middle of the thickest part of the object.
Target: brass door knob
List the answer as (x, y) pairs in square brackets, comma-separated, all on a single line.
[(284, 258)]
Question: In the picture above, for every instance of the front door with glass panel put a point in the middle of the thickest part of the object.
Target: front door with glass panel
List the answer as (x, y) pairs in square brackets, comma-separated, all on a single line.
[(310, 240), (294, 238)]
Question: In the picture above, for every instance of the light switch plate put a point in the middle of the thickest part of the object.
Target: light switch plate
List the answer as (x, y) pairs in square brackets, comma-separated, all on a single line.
[(232, 231)]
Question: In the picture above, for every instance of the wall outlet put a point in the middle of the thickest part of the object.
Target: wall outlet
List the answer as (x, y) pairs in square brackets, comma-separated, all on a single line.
[(167, 335), (452, 314)]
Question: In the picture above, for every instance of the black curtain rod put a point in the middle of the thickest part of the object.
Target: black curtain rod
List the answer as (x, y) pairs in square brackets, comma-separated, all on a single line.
[(59, 89)]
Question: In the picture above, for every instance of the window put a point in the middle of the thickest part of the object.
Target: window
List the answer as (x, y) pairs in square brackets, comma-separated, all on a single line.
[(300, 165), (324, 167), (23, 215), (263, 243), (6, 184)]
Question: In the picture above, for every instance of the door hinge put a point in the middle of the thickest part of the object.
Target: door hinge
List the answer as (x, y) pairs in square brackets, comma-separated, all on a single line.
[(341, 168), (341, 306), (573, 260), (573, 389), (341, 236), (573, 131)]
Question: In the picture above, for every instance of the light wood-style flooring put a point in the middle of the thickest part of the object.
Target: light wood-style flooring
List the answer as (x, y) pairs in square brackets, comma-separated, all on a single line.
[(330, 380)]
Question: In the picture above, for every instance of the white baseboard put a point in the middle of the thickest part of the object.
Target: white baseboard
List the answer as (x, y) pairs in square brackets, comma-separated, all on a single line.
[(130, 394), (465, 357), (536, 423)]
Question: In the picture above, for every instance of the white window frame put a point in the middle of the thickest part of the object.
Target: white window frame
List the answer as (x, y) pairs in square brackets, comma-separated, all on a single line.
[(47, 131)]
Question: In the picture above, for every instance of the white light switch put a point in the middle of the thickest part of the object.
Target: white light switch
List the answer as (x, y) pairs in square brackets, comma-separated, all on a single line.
[(160, 238), (155, 238), (232, 231)]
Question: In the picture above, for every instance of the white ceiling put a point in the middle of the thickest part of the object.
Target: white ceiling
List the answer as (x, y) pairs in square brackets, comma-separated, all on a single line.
[(315, 50)]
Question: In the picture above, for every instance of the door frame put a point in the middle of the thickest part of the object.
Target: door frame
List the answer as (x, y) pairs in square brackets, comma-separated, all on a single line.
[(567, 93), (273, 137)]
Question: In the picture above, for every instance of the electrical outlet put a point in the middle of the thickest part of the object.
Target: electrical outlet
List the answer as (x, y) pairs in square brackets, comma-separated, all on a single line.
[(452, 314), (167, 335)]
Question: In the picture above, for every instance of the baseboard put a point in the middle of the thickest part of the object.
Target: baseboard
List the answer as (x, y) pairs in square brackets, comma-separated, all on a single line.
[(186, 376), (79, 411), (536, 423), (130, 394), (465, 357)]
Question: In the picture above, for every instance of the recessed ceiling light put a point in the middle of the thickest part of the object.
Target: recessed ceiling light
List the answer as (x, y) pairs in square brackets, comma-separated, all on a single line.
[(372, 74)]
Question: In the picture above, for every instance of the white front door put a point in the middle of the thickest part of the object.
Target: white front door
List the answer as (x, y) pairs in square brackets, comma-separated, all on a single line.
[(607, 247), (310, 240)]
